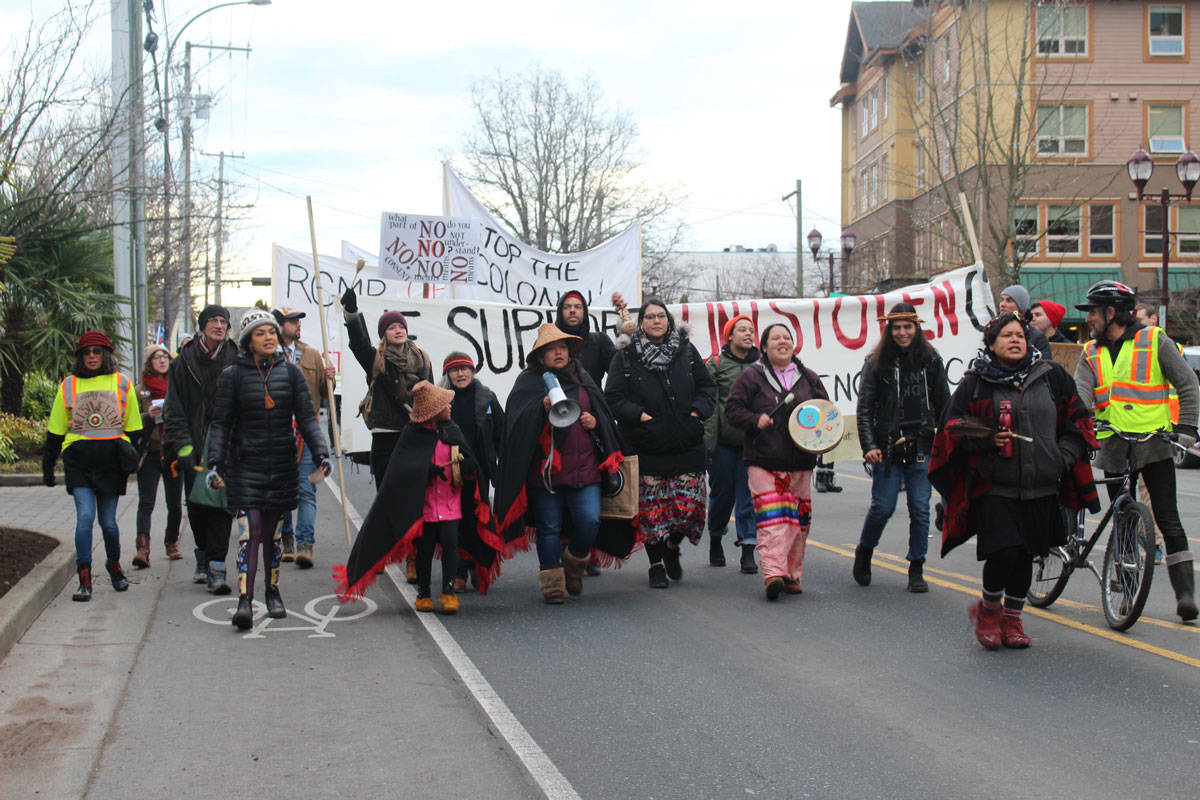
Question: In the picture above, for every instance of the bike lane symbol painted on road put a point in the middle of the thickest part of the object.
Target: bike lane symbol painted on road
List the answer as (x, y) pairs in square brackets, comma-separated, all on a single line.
[(219, 611)]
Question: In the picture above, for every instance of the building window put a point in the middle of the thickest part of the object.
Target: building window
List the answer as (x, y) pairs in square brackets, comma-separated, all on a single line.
[(1165, 124), (1100, 230), (920, 165), (945, 48), (884, 91), (875, 108), (1025, 230), (864, 188), (1165, 36), (1062, 130), (1188, 236), (873, 198), (883, 179), (1062, 29), (1152, 240), (863, 130), (1062, 230)]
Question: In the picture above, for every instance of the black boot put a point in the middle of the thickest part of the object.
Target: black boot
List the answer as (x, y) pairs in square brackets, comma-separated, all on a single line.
[(862, 565), (116, 574), (658, 577), (819, 480), (275, 609), (243, 618), (216, 578), (716, 553), (201, 573), (748, 565), (671, 562), (831, 481), (916, 580), (1183, 581), (84, 592)]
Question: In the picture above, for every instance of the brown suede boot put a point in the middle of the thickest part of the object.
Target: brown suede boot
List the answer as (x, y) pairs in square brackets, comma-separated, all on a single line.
[(171, 544), (410, 568), (141, 559), (553, 584), (573, 568)]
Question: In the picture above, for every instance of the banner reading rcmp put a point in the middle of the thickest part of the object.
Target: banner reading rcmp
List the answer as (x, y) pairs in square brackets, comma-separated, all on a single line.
[(833, 335), (510, 271)]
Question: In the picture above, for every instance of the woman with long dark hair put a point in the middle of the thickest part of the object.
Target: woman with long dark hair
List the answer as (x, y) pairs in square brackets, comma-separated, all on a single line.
[(661, 393), (902, 395), (152, 393), (92, 423)]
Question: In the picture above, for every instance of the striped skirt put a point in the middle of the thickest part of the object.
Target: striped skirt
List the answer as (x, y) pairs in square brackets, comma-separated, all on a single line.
[(672, 508)]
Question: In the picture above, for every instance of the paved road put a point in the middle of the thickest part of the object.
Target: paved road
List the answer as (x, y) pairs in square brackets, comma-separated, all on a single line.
[(707, 690)]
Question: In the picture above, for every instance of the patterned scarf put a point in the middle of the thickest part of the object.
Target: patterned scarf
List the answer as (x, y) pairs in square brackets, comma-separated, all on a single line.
[(407, 360), (656, 356), (992, 371)]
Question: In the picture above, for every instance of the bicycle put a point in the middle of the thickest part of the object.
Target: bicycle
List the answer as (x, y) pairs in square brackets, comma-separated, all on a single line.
[(1128, 566)]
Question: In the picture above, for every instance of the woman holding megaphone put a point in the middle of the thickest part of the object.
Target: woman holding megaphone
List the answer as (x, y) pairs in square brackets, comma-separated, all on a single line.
[(561, 449)]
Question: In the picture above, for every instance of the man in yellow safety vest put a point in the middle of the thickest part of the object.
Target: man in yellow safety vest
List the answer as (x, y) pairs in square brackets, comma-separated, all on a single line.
[(1125, 375)]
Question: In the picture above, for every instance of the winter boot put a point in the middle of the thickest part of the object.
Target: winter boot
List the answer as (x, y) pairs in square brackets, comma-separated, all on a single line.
[(831, 484), (201, 573), (449, 601), (410, 568), (671, 562), (658, 577), (84, 592), (304, 556), (987, 625), (916, 578), (289, 548), (171, 545), (116, 574), (791, 586), (424, 602), (553, 584), (216, 578), (243, 618), (716, 553), (1013, 633), (1183, 581), (819, 480), (774, 586), (748, 565), (573, 567), (862, 565), (141, 559), (275, 609)]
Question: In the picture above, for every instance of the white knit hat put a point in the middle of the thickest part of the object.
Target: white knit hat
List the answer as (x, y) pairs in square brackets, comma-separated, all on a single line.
[(252, 319)]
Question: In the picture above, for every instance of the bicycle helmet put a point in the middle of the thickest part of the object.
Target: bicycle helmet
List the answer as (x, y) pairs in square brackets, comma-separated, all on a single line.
[(1109, 293)]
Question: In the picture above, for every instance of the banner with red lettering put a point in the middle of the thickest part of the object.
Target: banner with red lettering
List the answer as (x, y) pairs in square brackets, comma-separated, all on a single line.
[(833, 335)]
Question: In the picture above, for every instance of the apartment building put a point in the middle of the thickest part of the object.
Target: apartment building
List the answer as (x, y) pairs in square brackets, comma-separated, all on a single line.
[(1031, 110)]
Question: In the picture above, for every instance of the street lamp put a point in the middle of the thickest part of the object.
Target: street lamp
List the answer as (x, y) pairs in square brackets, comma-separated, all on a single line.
[(1140, 167), (163, 124), (848, 242)]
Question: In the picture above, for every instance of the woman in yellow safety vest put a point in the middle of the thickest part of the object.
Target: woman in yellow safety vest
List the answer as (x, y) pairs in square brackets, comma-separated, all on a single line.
[(94, 414)]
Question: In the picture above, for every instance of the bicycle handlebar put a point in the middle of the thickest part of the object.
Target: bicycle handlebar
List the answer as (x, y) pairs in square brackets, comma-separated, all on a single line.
[(1171, 437)]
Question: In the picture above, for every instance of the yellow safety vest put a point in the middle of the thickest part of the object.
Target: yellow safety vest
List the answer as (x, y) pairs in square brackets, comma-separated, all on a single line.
[(1132, 394), (97, 408)]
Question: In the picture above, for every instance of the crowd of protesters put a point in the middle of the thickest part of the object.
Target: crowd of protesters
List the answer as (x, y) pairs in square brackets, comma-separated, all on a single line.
[(230, 425)]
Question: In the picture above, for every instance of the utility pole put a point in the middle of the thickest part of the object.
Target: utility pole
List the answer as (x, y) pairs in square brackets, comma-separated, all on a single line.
[(220, 222), (799, 240)]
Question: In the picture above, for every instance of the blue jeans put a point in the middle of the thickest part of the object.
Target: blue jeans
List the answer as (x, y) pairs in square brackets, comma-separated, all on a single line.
[(729, 493), (306, 511), (583, 505), (87, 503), (885, 488)]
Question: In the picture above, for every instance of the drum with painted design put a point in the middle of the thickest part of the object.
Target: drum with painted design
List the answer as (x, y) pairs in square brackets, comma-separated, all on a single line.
[(816, 426)]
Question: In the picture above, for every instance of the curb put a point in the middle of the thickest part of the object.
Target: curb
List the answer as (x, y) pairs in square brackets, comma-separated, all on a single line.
[(26, 601), (26, 479)]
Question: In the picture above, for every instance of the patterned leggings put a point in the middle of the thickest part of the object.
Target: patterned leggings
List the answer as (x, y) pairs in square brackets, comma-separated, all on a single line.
[(782, 513), (258, 527)]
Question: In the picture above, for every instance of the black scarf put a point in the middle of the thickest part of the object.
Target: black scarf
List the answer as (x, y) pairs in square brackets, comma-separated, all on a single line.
[(989, 368)]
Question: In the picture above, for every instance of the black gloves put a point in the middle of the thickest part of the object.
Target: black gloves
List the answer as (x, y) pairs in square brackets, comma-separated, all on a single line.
[(436, 472), (350, 301), (48, 477)]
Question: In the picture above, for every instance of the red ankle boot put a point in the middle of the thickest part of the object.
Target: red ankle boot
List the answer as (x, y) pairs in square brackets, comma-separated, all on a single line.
[(1013, 633), (987, 625)]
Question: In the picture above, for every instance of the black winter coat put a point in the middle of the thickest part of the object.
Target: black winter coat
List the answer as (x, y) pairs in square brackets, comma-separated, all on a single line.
[(254, 447), (191, 389), (754, 394), (488, 428), (388, 401), (672, 442), (880, 407), (598, 347)]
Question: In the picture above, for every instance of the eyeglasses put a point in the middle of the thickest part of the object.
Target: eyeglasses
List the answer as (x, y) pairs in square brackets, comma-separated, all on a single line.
[(92, 351), (157, 356), (653, 317)]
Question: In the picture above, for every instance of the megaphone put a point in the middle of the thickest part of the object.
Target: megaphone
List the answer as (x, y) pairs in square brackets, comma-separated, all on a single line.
[(564, 411)]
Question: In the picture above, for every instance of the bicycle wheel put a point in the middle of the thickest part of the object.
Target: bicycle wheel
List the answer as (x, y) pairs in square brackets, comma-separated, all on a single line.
[(1128, 567), (1051, 573)]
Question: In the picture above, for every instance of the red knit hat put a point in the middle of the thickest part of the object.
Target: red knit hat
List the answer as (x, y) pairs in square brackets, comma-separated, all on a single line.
[(1054, 311), (457, 359), (94, 339), (728, 329)]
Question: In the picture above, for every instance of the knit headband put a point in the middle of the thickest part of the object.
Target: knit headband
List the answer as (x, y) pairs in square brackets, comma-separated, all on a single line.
[(457, 361), (901, 316)]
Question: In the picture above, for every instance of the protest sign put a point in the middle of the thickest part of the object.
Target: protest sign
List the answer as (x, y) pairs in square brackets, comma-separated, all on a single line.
[(428, 249), (510, 271)]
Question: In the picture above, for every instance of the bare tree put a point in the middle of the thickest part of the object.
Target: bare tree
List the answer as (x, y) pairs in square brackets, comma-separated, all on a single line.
[(559, 168)]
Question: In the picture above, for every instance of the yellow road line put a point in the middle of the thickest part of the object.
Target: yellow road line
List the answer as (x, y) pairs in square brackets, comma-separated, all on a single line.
[(1103, 633)]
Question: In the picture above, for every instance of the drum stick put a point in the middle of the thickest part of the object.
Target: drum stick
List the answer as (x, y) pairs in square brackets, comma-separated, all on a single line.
[(787, 399)]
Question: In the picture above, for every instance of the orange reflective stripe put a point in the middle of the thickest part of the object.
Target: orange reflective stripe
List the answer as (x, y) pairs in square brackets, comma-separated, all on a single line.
[(69, 391), (1143, 351)]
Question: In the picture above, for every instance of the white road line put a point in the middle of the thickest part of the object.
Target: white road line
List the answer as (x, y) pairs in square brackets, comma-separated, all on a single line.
[(533, 760)]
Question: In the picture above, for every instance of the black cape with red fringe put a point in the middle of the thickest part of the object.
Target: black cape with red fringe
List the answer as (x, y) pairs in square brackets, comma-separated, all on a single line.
[(527, 436), (957, 464), (396, 518)]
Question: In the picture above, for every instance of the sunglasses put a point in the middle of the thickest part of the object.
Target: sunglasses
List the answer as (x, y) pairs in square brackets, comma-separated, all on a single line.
[(92, 351)]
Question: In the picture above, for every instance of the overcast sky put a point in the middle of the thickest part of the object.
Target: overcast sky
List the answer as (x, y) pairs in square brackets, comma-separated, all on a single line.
[(358, 102)]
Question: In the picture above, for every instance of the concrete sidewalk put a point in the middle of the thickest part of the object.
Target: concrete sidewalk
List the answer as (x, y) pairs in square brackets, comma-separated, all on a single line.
[(152, 691)]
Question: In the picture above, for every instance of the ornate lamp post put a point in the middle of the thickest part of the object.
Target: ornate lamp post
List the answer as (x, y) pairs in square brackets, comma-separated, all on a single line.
[(1140, 167), (848, 242)]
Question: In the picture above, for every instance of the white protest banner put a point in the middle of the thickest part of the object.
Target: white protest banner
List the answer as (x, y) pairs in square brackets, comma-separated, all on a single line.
[(833, 335), (352, 253), (428, 249), (510, 271)]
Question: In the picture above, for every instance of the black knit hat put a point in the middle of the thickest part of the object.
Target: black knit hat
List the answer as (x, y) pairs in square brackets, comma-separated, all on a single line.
[(210, 311)]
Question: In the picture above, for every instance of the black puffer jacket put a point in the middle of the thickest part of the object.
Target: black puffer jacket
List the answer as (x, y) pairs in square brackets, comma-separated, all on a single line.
[(389, 396), (254, 447), (672, 442), (880, 409), (191, 387)]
